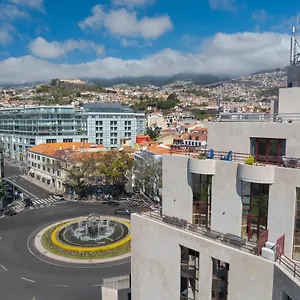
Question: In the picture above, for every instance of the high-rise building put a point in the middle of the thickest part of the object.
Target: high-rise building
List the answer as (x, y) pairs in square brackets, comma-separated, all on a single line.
[(98, 123)]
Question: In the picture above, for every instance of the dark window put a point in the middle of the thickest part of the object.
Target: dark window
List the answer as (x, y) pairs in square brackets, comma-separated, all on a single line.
[(255, 198), (296, 246), (268, 150), (189, 284), (202, 185), (219, 279)]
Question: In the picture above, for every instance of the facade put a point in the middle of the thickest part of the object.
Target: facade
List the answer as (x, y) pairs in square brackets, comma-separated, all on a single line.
[(228, 230), (43, 161), (96, 123)]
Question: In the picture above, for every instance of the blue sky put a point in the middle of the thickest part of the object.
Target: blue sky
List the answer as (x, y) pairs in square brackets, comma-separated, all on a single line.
[(110, 38)]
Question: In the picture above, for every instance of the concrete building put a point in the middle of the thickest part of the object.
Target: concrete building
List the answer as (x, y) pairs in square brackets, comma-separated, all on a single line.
[(228, 229), (44, 161), (96, 123)]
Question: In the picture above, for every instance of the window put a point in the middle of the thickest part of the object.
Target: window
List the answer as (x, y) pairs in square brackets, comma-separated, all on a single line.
[(219, 289), (189, 283), (296, 246), (67, 140), (268, 150), (255, 199), (50, 141), (201, 185), (113, 134), (113, 123), (99, 141)]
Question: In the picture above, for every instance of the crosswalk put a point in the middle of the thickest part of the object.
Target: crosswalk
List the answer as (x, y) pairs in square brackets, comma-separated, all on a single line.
[(135, 202), (46, 201)]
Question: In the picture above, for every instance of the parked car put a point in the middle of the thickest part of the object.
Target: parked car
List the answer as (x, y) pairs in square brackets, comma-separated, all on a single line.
[(28, 202), (122, 211)]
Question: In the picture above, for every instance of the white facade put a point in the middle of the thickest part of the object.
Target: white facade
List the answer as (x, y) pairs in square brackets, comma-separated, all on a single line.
[(233, 211), (99, 123)]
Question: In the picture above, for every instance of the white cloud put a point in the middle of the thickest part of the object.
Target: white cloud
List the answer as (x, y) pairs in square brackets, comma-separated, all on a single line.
[(35, 4), (260, 15), (223, 54), (227, 5), (5, 36), (132, 3), (126, 24), (41, 48), (11, 12)]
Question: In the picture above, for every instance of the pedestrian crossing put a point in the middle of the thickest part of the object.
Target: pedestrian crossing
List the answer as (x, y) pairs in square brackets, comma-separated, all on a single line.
[(135, 202), (47, 201)]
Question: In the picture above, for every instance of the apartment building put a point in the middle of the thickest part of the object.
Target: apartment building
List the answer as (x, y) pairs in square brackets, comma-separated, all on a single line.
[(229, 228), (43, 161), (96, 123)]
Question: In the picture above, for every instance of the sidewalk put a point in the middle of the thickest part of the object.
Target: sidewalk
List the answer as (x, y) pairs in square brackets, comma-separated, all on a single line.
[(39, 183)]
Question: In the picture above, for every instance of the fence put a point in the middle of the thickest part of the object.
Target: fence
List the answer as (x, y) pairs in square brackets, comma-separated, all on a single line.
[(230, 240), (280, 246), (263, 238)]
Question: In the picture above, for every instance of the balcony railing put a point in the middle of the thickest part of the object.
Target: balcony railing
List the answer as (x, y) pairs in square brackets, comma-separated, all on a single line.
[(196, 152), (258, 117), (229, 240)]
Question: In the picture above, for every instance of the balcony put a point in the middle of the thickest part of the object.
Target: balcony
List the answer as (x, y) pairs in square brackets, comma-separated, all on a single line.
[(256, 173), (229, 240), (202, 166)]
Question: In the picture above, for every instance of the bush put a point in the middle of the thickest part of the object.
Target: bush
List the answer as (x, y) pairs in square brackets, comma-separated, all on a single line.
[(249, 160)]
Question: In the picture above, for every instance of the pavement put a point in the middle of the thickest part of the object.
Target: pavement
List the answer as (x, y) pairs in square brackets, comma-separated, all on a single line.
[(25, 276)]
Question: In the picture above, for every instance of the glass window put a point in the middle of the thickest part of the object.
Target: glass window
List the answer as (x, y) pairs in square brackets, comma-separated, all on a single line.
[(220, 271), (202, 185), (296, 246), (255, 199), (189, 283)]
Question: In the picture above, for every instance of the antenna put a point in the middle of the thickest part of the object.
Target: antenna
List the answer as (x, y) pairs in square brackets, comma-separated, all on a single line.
[(295, 47)]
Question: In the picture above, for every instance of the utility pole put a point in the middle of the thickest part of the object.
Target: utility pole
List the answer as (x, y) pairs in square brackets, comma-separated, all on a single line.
[(1, 160)]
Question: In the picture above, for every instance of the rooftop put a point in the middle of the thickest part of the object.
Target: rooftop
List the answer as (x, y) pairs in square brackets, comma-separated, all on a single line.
[(107, 107)]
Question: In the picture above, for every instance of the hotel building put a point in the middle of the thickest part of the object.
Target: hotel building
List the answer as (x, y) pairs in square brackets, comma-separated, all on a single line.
[(229, 228), (96, 123)]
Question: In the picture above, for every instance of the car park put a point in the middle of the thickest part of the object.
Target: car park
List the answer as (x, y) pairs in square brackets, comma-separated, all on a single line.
[(122, 211)]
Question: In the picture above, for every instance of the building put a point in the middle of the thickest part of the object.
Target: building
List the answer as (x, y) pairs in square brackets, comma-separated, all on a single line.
[(228, 229), (96, 123), (43, 161)]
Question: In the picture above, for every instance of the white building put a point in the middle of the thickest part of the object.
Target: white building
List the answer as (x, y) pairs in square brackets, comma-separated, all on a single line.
[(228, 230), (96, 123)]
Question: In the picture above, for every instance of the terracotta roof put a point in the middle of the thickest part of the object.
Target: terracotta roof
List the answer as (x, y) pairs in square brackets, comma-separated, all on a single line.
[(59, 150)]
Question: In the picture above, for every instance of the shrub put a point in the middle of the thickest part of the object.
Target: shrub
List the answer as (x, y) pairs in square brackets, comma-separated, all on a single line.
[(249, 160)]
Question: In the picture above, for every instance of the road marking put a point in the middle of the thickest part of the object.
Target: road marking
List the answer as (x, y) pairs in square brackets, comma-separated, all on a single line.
[(96, 285), (19, 187), (61, 285), (24, 278), (3, 268)]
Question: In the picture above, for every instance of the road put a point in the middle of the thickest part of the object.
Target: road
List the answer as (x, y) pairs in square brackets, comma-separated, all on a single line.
[(33, 191), (23, 276)]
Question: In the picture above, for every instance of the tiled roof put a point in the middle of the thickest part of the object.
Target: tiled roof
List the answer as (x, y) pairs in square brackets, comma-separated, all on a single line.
[(59, 150)]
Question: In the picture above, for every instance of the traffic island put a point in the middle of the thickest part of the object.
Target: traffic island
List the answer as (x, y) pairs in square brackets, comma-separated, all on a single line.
[(91, 239)]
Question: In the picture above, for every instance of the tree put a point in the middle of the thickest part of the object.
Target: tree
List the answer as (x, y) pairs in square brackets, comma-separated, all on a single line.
[(148, 174), (80, 169), (153, 133), (113, 169)]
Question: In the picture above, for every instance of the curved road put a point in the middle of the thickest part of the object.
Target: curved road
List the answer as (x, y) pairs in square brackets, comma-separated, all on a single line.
[(23, 276)]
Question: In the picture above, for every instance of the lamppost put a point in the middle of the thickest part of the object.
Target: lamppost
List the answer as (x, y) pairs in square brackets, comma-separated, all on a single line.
[(1, 159)]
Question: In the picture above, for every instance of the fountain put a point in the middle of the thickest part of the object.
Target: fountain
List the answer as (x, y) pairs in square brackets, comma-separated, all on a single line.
[(93, 231), (94, 228)]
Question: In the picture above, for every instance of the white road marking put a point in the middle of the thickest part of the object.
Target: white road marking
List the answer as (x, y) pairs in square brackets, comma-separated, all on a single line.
[(24, 278), (61, 285), (3, 268), (22, 189)]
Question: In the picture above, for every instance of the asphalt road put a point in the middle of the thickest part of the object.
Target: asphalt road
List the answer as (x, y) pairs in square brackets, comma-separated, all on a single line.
[(26, 186), (24, 276)]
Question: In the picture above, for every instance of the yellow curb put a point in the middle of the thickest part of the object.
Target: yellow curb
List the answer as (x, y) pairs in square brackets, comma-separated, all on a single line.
[(115, 245)]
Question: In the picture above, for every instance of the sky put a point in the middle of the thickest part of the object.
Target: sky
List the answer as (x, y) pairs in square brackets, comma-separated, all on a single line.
[(44, 39)]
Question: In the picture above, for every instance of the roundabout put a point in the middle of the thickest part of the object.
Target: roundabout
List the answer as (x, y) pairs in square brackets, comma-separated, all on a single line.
[(62, 252), (92, 239)]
